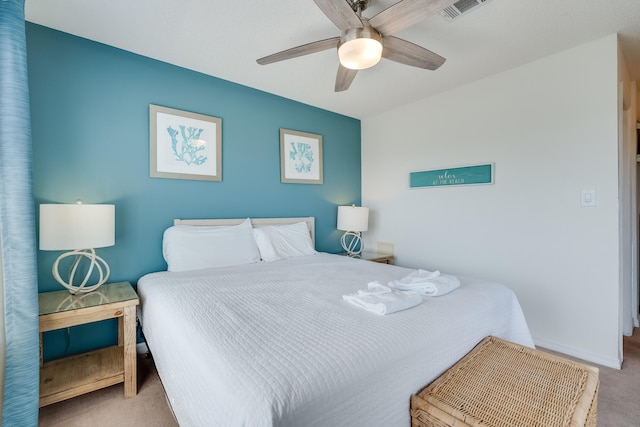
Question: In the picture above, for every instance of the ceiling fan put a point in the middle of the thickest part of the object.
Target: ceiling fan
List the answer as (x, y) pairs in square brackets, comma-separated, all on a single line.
[(365, 40)]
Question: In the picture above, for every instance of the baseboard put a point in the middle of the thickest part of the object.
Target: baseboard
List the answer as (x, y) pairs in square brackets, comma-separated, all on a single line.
[(580, 354)]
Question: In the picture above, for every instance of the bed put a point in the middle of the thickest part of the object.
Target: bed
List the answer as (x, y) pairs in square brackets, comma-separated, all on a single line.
[(274, 343)]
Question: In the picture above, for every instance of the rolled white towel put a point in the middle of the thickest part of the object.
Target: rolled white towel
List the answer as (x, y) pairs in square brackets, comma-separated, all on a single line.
[(381, 299), (375, 288), (419, 276), (427, 283)]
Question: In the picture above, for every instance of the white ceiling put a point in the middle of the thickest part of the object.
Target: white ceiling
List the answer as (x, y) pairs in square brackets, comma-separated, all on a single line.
[(223, 38)]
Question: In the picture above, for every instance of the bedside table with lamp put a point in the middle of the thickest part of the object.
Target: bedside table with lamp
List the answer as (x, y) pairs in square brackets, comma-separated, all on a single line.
[(78, 227), (353, 220)]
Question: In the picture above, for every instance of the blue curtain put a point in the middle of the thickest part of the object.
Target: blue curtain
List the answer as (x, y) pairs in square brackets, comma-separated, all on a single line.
[(17, 225)]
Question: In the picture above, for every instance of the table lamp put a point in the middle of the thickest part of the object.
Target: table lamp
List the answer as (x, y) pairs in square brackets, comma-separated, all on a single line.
[(353, 220), (79, 228)]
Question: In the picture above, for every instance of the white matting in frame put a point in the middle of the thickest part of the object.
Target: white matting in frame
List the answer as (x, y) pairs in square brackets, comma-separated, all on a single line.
[(300, 157), (184, 145)]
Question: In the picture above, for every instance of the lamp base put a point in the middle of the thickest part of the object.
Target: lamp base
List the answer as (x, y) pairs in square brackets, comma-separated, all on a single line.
[(96, 262), (351, 242)]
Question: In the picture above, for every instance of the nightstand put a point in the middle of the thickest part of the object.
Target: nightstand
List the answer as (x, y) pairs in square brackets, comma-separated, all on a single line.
[(374, 256), (75, 375)]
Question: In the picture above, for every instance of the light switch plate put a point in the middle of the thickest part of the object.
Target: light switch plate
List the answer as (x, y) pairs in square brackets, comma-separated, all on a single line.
[(588, 198)]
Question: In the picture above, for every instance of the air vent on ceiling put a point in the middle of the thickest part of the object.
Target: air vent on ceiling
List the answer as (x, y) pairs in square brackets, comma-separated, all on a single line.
[(459, 8)]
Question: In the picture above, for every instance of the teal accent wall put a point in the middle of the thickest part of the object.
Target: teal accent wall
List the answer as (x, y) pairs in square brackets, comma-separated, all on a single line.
[(90, 128)]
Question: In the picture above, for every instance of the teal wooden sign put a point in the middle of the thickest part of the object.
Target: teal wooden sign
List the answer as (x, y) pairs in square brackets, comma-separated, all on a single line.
[(467, 175)]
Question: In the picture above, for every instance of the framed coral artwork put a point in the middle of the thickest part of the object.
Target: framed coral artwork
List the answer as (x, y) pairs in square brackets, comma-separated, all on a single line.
[(184, 145), (300, 157)]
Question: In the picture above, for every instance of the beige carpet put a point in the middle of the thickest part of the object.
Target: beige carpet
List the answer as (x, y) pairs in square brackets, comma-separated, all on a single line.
[(618, 399), (619, 395), (109, 408)]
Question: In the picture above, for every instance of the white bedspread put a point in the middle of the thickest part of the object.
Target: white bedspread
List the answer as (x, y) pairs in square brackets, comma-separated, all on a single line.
[(275, 344)]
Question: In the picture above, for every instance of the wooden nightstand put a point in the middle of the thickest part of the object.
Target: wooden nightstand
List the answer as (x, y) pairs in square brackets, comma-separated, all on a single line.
[(374, 256), (71, 376)]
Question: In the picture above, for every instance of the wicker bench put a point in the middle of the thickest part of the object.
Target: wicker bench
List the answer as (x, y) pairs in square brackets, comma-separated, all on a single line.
[(501, 384)]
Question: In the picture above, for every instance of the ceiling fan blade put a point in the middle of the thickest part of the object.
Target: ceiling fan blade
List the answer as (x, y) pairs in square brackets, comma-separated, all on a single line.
[(344, 78), (405, 13), (340, 13), (305, 49), (407, 53)]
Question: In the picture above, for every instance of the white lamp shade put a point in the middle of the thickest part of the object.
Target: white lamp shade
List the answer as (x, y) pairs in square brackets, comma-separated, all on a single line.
[(76, 226), (353, 218), (360, 53)]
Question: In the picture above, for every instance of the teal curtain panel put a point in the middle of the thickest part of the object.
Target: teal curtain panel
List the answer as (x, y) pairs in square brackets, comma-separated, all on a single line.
[(17, 225)]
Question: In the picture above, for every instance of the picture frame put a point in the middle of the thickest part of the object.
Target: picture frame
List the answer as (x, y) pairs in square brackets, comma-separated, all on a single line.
[(184, 145), (300, 157), (480, 174)]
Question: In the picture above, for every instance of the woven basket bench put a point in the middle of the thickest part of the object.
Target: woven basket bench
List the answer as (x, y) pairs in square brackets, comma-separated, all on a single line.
[(502, 384)]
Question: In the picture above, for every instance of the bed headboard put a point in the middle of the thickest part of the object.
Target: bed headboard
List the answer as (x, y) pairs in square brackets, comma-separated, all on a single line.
[(256, 222)]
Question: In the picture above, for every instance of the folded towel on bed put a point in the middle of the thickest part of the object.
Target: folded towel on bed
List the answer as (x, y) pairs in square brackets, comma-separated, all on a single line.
[(427, 283), (381, 299), (375, 288)]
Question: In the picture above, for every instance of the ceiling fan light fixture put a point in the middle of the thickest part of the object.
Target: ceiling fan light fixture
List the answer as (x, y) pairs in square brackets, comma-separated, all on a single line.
[(363, 42), (360, 48)]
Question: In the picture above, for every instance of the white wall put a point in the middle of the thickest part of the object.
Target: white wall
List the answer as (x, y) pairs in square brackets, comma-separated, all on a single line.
[(550, 127)]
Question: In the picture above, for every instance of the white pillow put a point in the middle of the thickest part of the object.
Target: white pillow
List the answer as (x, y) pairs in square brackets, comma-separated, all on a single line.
[(189, 247), (283, 241)]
